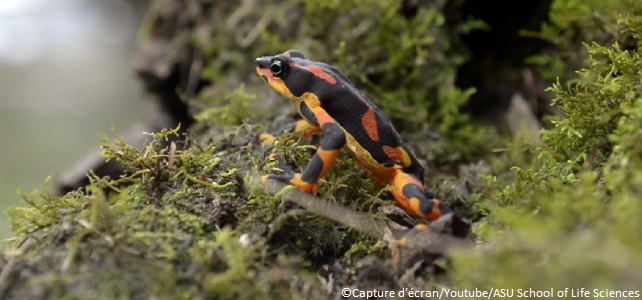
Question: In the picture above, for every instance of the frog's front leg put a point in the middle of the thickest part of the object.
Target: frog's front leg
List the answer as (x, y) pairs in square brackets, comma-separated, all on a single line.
[(410, 195), (299, 128), (333, 140)]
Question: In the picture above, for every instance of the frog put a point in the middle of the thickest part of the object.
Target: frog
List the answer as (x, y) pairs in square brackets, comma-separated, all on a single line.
[(331, 105)]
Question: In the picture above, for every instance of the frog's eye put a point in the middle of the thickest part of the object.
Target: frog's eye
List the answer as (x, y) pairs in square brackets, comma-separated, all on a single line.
[(278, 68)]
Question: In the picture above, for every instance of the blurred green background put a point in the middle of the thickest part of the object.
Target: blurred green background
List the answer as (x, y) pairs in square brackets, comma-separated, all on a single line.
[(65, 79)]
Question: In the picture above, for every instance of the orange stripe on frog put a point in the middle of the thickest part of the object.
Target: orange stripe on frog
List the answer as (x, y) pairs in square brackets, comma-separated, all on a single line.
[(397, 154), (369, 122), (318, 72)]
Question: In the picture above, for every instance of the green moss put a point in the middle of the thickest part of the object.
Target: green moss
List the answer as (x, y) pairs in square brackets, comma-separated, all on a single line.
[(153, 233), (230, 109), (570, 219)]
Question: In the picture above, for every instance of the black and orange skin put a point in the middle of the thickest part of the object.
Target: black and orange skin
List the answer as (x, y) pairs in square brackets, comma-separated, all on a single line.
[(329, 102)]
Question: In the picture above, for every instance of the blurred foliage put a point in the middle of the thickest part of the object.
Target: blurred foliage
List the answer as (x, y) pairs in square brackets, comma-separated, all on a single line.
[(397, 52), (571, 218), (573, 23)]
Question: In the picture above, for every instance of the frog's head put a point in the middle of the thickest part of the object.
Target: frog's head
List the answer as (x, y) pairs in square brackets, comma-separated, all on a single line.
[(292, 75)]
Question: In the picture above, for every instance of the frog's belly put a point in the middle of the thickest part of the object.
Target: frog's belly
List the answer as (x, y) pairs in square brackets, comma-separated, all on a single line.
[(366, 161)]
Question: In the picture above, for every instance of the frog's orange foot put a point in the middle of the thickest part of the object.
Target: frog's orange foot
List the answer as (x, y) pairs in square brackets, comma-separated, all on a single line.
[(268, 139), (294, 179), (431, 209), (289, 176), (434, 209), (302, 185)]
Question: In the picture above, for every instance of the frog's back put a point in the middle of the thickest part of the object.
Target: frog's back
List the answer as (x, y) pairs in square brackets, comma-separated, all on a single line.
[(364, 121)]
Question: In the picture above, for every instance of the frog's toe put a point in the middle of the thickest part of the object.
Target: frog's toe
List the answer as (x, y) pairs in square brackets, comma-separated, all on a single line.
[(287, 178), (281, 164), (294, 179), (268, 139), (302, 185)]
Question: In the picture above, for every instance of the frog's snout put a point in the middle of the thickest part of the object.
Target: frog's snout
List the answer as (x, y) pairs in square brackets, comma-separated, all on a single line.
[(263, 62), (263, 67)]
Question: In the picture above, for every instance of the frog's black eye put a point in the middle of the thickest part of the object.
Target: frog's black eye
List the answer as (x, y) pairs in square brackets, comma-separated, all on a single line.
[(278, 68)]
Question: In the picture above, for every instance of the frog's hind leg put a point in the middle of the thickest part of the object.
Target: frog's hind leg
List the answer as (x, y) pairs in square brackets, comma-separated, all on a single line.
[(410, 195)]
